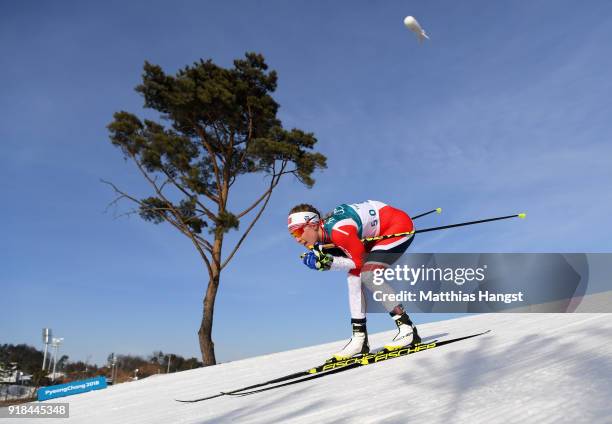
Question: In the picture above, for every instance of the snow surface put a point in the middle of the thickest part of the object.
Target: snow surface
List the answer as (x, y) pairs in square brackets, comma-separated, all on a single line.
[(536, 368)]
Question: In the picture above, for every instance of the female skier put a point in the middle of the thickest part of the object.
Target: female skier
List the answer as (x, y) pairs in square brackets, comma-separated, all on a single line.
[(345, 228)]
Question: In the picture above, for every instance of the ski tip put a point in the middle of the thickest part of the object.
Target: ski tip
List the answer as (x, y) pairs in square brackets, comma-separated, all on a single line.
[(439, 210), (237, 394), (522, 215), (200, 399)]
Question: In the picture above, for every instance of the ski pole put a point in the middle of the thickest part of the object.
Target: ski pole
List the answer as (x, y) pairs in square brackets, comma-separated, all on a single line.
[(518, 215), (425, 230), (438, 210)]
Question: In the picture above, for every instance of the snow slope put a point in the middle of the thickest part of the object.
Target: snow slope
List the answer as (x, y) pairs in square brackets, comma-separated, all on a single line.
[(536, 368)]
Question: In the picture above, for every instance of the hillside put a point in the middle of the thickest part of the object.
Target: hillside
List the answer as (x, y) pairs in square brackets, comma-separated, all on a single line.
[(530, 368)]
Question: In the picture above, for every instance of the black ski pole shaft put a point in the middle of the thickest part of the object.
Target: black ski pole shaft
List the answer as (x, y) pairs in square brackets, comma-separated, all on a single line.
[(439, 210), (480, 221), (424, 230)]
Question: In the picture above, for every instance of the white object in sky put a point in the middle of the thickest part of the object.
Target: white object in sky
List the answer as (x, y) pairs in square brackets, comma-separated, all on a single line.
[(413, 25)]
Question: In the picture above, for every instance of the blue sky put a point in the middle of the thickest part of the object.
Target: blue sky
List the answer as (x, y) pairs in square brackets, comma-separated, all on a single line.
[(505, 109)]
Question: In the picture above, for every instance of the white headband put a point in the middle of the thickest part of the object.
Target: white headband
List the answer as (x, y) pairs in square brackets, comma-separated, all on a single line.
[(299, 219)]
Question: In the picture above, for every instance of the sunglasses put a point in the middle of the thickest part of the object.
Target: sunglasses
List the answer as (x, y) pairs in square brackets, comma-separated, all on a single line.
[(298, 231)]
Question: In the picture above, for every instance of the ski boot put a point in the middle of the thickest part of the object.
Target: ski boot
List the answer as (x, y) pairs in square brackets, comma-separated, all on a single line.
[(358, 345), (407, 334)]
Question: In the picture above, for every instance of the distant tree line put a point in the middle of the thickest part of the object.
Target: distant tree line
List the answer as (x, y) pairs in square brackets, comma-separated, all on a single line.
[(156, 363), (29, 360)]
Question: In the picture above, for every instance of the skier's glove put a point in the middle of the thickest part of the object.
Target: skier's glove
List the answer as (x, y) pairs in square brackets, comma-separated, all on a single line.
[(317, 260)]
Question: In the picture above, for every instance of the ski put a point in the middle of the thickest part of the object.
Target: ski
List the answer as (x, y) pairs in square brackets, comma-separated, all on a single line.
[(319, 369), (372, 358), (333, 367)]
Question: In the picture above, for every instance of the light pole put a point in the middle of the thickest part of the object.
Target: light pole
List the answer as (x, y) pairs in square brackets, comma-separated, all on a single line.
[(113, 368), (169, 359), (55, 344), (46, 336)]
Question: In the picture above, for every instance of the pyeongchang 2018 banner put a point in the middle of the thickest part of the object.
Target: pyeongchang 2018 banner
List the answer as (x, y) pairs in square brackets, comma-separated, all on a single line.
[(490, 282), (72, 388)]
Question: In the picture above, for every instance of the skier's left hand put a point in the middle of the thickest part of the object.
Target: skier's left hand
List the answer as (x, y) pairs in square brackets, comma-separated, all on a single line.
[(317, 260)]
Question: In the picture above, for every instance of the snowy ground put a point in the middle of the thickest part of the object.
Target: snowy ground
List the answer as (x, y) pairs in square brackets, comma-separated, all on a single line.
[(536, 368)]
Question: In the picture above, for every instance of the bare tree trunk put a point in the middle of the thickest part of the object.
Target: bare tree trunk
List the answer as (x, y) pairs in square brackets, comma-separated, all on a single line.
[(207, 347)]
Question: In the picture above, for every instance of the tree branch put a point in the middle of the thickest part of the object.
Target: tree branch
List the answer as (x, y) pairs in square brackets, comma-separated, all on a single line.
[(223, 159), (249, 135), (178, 223), (212, 155), (207, 211), (274, 175), (205, 242), (142, 205), (250, 208), (273, 183)]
